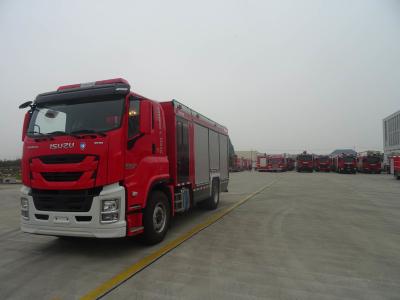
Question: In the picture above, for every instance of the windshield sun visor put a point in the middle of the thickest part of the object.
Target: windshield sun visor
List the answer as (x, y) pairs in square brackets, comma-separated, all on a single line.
[(83, 93)]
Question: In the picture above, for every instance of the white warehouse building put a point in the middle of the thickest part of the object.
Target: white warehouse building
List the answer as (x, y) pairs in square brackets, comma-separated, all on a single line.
[(391, 135)]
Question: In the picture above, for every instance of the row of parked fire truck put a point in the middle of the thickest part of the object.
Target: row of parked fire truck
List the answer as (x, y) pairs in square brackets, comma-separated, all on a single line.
[(365, 162)]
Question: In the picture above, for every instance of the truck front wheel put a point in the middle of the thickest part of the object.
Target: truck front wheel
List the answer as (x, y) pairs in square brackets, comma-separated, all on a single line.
[(156, 218)]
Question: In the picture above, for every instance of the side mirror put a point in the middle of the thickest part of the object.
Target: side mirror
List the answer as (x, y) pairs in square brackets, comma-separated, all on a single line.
[(145, 116), (27, 118), (25, 104)]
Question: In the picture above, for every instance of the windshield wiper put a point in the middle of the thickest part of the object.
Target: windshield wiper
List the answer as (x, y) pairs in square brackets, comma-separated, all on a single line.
[(87, 131), (35, 132), (58, 132), (37, 135)]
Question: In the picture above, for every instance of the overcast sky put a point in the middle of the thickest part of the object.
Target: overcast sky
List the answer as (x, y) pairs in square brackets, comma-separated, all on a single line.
[(283, 76)]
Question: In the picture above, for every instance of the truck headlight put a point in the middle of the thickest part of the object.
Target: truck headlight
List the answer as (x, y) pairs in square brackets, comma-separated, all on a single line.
[(109, 211), (25, 208), (109, 205)]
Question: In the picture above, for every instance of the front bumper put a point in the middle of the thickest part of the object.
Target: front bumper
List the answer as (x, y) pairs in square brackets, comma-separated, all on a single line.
[(324, 169), (348, 170), (305, 168), (67, 224)]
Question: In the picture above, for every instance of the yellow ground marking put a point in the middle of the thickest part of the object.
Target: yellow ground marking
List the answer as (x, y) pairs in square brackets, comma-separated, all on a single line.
[(130, 271)]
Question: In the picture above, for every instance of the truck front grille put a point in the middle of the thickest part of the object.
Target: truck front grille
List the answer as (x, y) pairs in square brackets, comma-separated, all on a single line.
[(62, 159), (64, 200), (61, 176)]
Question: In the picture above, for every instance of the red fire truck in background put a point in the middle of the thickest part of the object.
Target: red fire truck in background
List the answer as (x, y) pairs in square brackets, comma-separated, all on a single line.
[(102, 161), (395, 166), (305, 162), (247, 164), (344, 163), (369, 162), (240, 164), (290, 164), (237, 164), (277, 163), (322, 163), (262, 163)]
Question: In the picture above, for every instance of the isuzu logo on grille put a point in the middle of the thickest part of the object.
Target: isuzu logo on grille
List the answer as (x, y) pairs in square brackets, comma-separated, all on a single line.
[(62, 146)]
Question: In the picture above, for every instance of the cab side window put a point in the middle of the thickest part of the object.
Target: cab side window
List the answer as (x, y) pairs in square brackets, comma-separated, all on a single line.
[(133, 118)]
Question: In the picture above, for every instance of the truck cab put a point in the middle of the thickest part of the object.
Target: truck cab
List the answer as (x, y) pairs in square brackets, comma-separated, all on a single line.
[(369, 162), (345, 163), (277, 163), (322, 163), (305, 162)]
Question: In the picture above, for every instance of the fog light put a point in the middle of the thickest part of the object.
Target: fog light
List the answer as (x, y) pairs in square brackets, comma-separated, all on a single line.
[(25, 208), (109, 217)]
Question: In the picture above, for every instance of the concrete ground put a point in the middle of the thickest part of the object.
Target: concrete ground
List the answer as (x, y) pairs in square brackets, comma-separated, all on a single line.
[(307, 236)]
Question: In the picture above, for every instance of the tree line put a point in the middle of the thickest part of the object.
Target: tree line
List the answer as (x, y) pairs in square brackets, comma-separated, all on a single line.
[(10, 163)]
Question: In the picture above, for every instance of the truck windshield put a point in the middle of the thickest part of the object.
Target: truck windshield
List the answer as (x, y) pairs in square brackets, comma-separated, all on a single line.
[(305, 157), (323, 158), (76, 117), (373, 159), (275, 160), (348, 159)]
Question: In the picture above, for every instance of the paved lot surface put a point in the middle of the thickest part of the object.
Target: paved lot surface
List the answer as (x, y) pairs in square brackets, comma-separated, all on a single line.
[(307, 236)]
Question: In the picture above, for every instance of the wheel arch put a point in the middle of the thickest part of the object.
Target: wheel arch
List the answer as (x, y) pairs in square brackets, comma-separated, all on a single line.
[(162, 186)]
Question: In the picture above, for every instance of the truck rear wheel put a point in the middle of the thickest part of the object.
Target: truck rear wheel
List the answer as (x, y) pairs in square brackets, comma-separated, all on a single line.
[(156, 218), (212, 202)]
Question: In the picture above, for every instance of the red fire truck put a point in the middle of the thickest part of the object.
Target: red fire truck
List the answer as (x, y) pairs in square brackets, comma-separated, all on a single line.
[(305, 162), (239, 164), (262, 163), (395, 166), (290, 164), (102, 161), (322, 163), (344, 163), (247, 164), (277, 163), (369, 162)]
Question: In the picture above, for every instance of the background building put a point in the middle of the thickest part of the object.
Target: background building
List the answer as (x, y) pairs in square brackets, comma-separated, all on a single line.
[(391, 136), (344, 151)]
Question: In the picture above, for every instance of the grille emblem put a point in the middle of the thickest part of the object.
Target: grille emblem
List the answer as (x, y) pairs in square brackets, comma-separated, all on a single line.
[(82, 145)]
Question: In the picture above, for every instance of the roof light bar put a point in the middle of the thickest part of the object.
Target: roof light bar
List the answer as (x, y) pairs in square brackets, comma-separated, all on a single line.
[(90, 84)]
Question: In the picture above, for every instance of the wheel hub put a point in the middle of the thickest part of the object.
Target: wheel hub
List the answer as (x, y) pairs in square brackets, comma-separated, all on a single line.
[(159, 217)]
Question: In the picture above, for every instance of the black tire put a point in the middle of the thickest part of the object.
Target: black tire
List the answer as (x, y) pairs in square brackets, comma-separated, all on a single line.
[(212, 202), (72, 239), (156, 218)]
